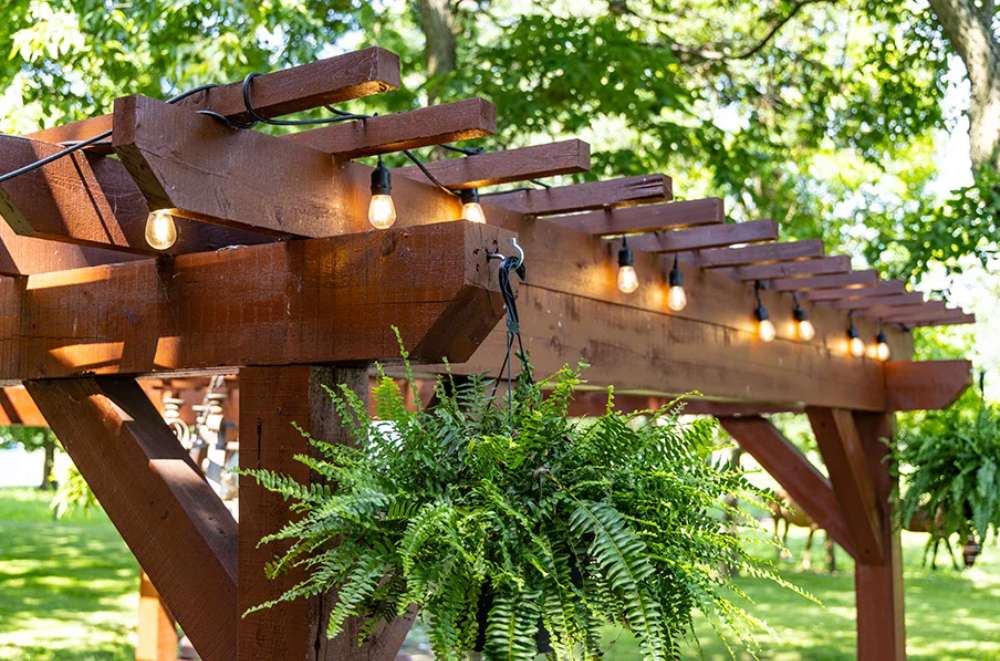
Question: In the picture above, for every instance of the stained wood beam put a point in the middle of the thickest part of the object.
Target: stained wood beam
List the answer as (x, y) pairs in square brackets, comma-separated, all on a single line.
[(625, 191), (822, 265), (501, 167), (157, 630), (844, 456), (854, 278), (927, 309), (891, 300), (925, 385), (952, 319), (649, 217), (315, 301), (331, 80), (794, 472), (25, 255), (885, 288), (764, 253), (709, 236), (593, 403), (433, 125), (171, 519)]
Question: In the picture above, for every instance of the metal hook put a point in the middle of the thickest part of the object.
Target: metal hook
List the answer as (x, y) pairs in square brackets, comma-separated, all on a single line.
[(520, 251)]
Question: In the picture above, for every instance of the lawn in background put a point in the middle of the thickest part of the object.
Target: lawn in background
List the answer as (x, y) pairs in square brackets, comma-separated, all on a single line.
[(68, 592)]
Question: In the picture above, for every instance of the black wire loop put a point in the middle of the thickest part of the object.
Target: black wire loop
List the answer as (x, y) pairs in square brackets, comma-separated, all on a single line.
[(508, 264)]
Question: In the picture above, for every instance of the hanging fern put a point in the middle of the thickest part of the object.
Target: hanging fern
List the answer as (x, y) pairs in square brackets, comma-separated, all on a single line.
[(506, 534)]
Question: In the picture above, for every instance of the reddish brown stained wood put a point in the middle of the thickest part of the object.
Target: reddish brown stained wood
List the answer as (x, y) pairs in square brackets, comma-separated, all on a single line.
[(926, 310), (157, 632), (925, 385), (879, 289), (649, 217), (173, 522), (24, 255), (331, 80), (271, 400), (17, 408), (945, 320), (892, 300), (854, 278), (299, 192), (801, 480), (766, 252), (434, 125), (583, 197), (709, 236), (593, 403), (844, 456), (323, 300), (501, 167), (822, 265)]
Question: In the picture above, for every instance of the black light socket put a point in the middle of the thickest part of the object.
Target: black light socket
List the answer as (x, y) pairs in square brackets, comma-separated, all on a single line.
[(381, 180), (625, 255), (676, 278), (468, 195), (881, 337), (761, 312), (799, 313), (852, 332)]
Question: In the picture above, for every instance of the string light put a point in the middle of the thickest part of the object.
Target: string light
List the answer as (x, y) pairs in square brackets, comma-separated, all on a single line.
[(805, 327), (765, 327), (628, 280), (676, 297), (882, 351), (381, 210), (854, 341), (471, 209), (161, 232)]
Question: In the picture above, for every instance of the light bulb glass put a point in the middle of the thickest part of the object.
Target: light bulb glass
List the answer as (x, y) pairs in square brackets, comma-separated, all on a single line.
[(381, 211), (677, 298), (882, 351), (857, 347), (806, 330), (765, 329), (473, 211), (161, 232), (628, 280)]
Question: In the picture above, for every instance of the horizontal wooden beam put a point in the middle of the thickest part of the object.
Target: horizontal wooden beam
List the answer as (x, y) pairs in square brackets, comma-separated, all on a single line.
[(171, 519), (884, 288), (434, 125), (926, 309), (794, 472), (766, 252), (25, 255), (331, 80), (709, 236), (925, 385), (583, 197), (314, 301), (951, 319), (891, 300), (501, 167), (821, 265), (649, 217), (854, 278), (593, 403)]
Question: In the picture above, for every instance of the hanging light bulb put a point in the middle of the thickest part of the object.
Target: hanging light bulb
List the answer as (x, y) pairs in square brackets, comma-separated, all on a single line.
[(161, 232), (628, 280), (765, 327), (471, 209), (854, 341), (882, 351), (381, 210), (805, 327), (677, 299)]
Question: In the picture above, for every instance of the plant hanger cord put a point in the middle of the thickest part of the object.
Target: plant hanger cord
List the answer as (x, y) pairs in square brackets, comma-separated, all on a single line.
[(508, 264)]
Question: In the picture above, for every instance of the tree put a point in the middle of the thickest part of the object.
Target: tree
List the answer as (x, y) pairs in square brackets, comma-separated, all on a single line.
[(31, 439)]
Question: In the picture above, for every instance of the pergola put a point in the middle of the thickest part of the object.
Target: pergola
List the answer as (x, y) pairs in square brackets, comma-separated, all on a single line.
[(277, 277)]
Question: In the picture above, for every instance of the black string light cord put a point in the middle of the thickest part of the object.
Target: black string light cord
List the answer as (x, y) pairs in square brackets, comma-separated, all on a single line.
[(508, 264)]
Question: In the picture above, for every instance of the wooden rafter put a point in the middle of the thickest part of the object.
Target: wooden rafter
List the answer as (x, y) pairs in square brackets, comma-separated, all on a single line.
[(884, 288), (25, 255), (709, 236), (649, 217), (854, 278), (763, 253), (583, 197), (821, 265), (890, 300)]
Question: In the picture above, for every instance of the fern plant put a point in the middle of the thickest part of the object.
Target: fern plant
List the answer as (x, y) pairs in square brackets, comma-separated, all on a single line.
[(495, 522)]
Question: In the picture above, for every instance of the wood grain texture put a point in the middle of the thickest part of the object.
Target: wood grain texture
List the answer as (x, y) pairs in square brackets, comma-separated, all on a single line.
[(881, 288), (501, 167), (331, 80), (709, 236), (891, 300), (821, 265), (178, 529), (854, 278), (925, 385), (625, 191), (433, 125), (764, 253), (950, 319), (308, 301), (794, 472), (645, 218), (271, 400), (844, 456), (25, 255)]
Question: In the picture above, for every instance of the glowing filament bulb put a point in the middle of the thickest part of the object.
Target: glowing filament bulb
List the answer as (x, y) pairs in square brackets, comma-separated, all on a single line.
[(677, 298), (765, 327), (628, 280), (805, 327), (471, 209), (854, 343), (381, 210), (161, 232), (882, 351)]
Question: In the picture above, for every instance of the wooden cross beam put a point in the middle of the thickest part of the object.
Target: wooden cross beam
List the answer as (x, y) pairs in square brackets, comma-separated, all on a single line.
[(883, 288), (890, 300), (927, 309), (331, 80), (434, 125), (955, 318), (501, 167), (925, 385), (649, 217), (709, 236), (821, 265), (24, 255), (583, 197), (766, 252), (854, 278)]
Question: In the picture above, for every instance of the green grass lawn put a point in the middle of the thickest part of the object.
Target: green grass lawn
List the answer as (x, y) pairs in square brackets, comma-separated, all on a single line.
[(68, 591)]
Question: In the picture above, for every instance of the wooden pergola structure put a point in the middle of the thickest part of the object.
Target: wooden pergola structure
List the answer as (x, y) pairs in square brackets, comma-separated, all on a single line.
[(278, 278)]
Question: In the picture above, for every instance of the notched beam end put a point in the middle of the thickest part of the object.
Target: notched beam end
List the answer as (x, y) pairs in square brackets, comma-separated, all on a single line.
[(925, 385)]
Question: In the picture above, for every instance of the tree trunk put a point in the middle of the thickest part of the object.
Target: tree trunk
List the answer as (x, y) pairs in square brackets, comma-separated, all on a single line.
[(970, 32), (48, 465), (437, 21)]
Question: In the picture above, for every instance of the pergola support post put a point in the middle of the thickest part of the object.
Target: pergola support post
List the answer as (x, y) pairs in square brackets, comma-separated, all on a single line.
[(157, 632), (271, 399)]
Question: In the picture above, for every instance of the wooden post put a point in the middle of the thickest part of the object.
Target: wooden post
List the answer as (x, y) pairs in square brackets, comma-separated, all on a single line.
[(271, 399), (157, 629)]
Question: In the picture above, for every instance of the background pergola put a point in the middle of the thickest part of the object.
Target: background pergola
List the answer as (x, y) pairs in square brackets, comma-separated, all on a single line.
[(278, 278)]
